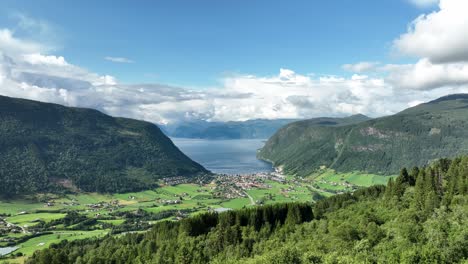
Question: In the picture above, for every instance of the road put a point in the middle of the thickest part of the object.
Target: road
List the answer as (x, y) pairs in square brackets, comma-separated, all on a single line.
[(22, 228), (252, 202)]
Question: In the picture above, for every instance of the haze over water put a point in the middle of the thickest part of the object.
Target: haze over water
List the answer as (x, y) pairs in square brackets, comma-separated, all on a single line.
[(234, 156)]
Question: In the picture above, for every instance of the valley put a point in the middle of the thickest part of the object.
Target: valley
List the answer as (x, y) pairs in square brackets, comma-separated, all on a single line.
[(35, 222), (62, 198)]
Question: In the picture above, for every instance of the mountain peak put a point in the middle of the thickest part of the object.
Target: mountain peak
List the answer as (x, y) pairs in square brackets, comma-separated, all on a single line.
[(450, 98)]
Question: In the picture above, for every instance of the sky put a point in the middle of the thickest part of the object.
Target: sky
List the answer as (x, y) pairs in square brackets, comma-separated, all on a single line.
[(179, 60)]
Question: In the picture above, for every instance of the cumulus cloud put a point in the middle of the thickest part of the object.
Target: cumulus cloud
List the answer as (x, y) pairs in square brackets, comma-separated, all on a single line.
[(439, 36), (425, 75), (31, 74), (361, 67), (37, 58), (118, 59), (29, 70), (26, 72)]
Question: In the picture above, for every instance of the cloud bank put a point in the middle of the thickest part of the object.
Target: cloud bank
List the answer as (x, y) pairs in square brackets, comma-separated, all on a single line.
[(29, 70)]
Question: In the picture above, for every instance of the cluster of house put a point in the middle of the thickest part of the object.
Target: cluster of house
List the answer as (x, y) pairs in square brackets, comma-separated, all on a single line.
[(345, 183), (110, 206), (235, 186), (179, 216), (272, 176), (175, 180), (6, 227), (51, 203), (168, 202)]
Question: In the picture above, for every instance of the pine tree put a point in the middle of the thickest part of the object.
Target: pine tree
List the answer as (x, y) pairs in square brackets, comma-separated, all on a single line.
[(419, 195), (413, 175), (294, 215), (401, 182), (389, 189)]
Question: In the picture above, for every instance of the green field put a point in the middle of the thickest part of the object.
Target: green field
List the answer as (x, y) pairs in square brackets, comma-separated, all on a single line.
[(33, 244), (236, 203), (329, 180), (191, 198), (31, 219)]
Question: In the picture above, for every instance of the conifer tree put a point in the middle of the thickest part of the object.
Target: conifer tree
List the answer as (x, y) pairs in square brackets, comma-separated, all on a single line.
[(401, 182), (389, 189), (419, 197)]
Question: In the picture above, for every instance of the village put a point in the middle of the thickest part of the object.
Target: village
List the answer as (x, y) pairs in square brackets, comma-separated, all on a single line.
[(235, 186)]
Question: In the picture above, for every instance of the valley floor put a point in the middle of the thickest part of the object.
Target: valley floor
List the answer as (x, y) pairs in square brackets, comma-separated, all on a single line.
[(34, 223)]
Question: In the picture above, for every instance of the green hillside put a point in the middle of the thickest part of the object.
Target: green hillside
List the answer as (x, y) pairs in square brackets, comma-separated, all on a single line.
[(43, 146), (250, 129), (421, 217), (415, 136)]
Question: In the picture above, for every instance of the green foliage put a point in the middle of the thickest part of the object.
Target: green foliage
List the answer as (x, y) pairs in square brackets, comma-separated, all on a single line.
[(44, 146), (416, 136), (368, 226)]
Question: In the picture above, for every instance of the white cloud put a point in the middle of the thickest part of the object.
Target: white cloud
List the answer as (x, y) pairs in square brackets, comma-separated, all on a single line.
[(425, 75), (440, 36), (361, 67), (424, 3), (28, 70), (28, 73), (118, 59), (37, 58), (14, 46)]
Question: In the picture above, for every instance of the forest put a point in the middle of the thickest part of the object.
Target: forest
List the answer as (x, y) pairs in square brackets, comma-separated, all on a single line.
[(420, 217), (413, 137), (52, 148)]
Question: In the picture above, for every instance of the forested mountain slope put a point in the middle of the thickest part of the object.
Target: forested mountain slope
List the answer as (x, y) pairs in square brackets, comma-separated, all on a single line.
[(421, 217), (415, 136), (250, 129), (44, 146)]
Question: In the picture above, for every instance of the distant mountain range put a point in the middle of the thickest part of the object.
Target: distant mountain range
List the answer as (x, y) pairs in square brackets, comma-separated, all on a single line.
[(250, 129), (415, 136), (47, 146)]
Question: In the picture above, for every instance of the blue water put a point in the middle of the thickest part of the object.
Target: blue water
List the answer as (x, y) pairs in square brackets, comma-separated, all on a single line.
[(234, 156)]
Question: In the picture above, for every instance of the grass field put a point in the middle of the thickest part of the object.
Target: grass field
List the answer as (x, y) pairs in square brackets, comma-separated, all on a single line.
[(31, 219), (33, 244), (236, 203), (196, 198), (329, 180), (17, 206)]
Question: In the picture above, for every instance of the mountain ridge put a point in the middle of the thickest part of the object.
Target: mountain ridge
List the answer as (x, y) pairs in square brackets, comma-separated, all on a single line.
[(42, 143), (416, 135), (249, 129)]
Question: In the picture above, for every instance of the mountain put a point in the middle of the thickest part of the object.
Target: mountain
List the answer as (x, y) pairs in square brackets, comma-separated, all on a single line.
[(44, 146), (414, 136), (250, 129)]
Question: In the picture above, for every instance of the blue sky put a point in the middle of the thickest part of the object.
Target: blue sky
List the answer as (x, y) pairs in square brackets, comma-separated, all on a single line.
[(175, 61), (195, 43)]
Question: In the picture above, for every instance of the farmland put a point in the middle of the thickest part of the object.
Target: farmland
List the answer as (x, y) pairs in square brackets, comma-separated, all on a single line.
[(35, 222)]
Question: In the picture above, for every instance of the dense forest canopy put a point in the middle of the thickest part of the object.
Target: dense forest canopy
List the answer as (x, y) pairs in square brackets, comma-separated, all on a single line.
[(46, 146), (421, 217), (416, 136)]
